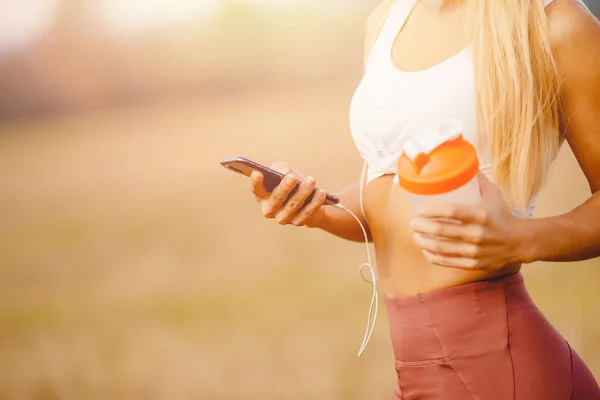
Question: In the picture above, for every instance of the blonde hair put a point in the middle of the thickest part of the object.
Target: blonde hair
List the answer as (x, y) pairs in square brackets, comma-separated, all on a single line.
[(517, 94), (517, 91)]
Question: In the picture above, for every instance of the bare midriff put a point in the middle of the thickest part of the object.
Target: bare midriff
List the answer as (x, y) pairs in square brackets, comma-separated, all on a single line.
[(402, 267)]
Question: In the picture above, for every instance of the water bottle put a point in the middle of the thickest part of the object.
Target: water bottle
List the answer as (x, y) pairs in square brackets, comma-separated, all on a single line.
[(440, 166)]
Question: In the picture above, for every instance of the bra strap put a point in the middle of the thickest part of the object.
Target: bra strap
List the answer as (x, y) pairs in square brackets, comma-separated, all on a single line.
[(393, 23)]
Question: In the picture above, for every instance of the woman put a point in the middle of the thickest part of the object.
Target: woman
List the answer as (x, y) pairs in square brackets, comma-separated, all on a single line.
[(523, 76)]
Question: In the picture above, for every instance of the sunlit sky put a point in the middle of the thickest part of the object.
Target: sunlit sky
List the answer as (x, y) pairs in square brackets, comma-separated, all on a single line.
[(22, 21)]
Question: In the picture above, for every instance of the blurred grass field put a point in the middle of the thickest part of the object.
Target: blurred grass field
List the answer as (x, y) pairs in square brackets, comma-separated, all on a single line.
[(133, 266)]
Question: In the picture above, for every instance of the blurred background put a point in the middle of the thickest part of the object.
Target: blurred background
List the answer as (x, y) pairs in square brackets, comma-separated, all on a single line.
[(133, 266)]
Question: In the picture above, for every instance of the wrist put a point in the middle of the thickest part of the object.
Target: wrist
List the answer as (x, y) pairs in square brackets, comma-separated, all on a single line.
[(526, 241), (319, 219)]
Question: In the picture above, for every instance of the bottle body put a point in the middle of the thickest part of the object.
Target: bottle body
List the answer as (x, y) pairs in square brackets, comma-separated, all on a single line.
[(468, 194)]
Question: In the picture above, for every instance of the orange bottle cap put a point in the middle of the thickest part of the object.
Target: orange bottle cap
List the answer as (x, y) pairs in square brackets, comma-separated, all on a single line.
[(437, 162)]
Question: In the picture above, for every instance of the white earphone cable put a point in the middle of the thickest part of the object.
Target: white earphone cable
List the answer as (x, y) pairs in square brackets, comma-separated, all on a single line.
[(373, 308)]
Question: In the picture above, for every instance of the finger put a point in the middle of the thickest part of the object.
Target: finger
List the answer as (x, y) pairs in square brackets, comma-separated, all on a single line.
[(470, 233), (487, 188), (279, 196), (293, 204), (451, 262), (257, 187), (310, 209), (458, 212), (447, 247)]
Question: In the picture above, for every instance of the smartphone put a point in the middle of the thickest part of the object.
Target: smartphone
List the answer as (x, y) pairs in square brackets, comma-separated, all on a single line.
[(271, 179)]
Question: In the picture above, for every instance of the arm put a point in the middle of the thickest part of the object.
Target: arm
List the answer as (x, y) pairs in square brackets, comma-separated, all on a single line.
[(339, 222), (489, 236), (290, 209), (576, 36)]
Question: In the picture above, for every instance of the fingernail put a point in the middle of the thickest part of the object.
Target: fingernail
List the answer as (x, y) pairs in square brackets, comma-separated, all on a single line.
[(310, 180), (289, 179)]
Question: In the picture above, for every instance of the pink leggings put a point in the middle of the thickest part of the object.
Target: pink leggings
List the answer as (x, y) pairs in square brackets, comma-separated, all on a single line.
[(486, 341)]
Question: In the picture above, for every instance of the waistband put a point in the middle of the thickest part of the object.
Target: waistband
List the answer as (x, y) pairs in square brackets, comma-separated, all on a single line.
[(454, 302), (455, 322)]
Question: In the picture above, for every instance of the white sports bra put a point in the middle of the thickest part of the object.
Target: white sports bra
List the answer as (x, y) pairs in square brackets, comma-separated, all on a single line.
[(389, 104)]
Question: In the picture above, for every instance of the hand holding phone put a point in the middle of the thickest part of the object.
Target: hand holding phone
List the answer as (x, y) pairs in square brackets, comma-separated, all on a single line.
[(293, 200)]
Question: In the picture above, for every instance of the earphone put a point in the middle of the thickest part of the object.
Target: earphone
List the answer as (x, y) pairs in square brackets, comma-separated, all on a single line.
[(373, 308)]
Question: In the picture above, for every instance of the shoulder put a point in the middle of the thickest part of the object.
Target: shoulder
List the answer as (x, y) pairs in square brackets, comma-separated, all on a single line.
[(374, 23), (575, 38), (570, 22), (377, 16)]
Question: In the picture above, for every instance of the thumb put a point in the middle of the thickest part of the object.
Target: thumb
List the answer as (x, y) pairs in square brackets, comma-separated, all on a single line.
[(487, 187)]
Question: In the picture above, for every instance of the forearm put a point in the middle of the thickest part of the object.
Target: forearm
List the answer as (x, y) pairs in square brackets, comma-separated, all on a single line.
[(573, 236), (339, 222)]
